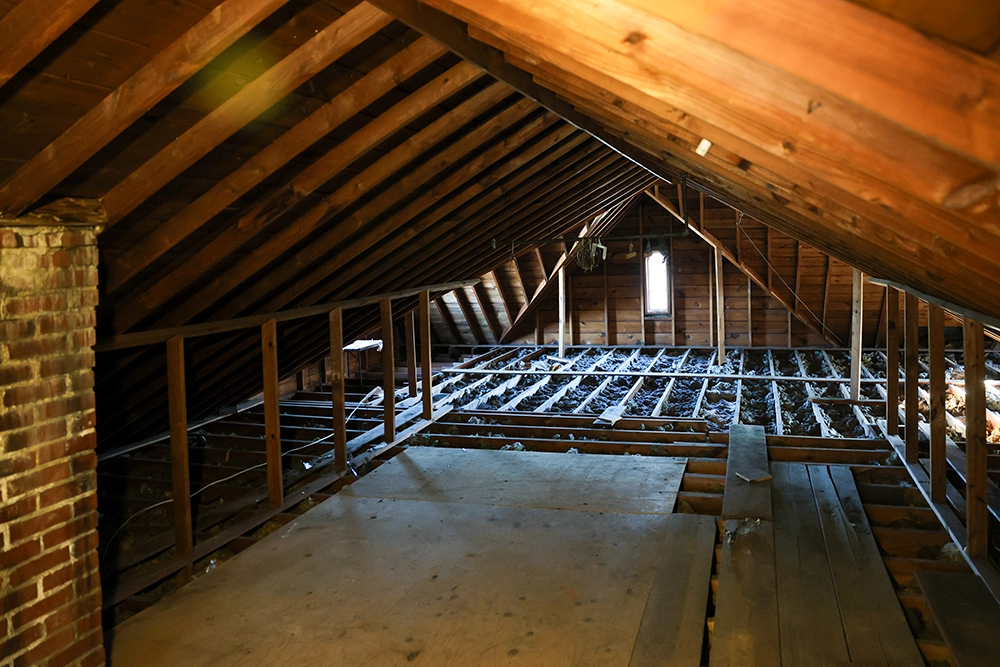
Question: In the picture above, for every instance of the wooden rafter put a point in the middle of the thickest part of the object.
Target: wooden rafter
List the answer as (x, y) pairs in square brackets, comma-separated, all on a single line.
[(591, 62), (486, 306), (256, 97), (369, 88), (470, 316), (764, 282), (263, 213), (32, 25), (161, 75)]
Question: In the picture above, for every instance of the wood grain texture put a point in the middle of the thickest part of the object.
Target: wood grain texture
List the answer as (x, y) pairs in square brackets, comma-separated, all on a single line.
[(967, 615), (747, 457)]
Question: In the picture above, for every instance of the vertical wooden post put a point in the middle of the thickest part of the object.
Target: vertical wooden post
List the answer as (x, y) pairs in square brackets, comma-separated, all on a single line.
[(642, 280), (911, 371), (977, 520), (711, 298), (720, 306), (857, 310), (339, 393), (562, 311), (272, 412), (539, 331), (388, 373), (177, 398), (425, 347), (411, 351), (570, 329), (935, 330), (892, 363), (608, 339), (749, 311)]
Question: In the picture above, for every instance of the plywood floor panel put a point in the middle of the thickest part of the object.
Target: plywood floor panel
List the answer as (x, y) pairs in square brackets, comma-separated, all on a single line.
[(369, 580)]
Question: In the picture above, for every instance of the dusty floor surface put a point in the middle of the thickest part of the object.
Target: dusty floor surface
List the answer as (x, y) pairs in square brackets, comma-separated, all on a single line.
[(438, 558)]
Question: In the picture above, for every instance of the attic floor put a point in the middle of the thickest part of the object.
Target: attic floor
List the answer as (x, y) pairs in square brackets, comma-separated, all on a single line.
[(441, 557)]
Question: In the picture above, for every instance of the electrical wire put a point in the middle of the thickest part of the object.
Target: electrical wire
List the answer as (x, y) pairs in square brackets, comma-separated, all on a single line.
[(235, 475)]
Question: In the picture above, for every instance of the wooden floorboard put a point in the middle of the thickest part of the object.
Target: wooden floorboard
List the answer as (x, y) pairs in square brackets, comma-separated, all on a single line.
[(873, 621), (808, 611), (746, 612), (672, 630), (392, 581), (967, 614), (747, 461), (583, 482)]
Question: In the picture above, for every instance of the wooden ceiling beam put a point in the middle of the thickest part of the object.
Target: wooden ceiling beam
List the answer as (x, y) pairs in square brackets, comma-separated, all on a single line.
[(365, 266), (504, 294), (489, 312), (400, 67), (146, 299), (762, 110), (333, 247), (256, 97), (154, 81), (448, 320), (470, 317), (30, 26)]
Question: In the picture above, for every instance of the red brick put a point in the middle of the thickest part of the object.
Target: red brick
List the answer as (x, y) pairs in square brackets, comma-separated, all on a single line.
[(38, 478), (88, 584), (19, 554), (16, 419), (39, 391), (14, 511), (25, 528), (64, 616), (46, 605), (84, 462), (65, 365), (73, 488), (86, 544), (15, 329), (51, 645), (96, 658), (83, 422), (68, 531), (11, 373), (15, 465), (8, 239), (17, 598), (89, 622), (84, 338), (78, 649), (21, 640), (33, 568)]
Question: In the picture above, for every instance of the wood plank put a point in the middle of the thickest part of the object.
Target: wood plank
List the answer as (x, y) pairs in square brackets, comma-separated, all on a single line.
[(28, 28), (411, 351), (388, 373), (808, 612), (426, 358), (164, 73), (892, 363), (966, 613), (672, 629), (872, 619), (911, 370), (857, 331), (747, 459), (272, 412), (177, 394), (321, 122), (976, 450), (320, 51), (746, 611), (938, 415), (337, 389)]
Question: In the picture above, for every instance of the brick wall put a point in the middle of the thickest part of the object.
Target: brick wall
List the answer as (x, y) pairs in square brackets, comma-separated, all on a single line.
[(50, 593)]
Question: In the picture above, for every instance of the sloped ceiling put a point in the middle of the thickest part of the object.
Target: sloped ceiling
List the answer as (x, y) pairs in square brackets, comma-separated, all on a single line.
[(248, 156)]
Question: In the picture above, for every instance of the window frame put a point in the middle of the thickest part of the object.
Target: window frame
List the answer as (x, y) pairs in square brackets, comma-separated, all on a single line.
[(668, 312)]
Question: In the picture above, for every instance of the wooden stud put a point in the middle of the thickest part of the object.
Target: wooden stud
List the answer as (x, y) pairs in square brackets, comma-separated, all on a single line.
[(720, 305), (337, 390), (642, 273), (177, 395), (892, 361), (750, 311), (977, 520), (935, 332), (539, 331), (608, 337), (411, 351), (427, 369), (562, 312), (388, 373), (857, 310), (272, 412), (911, 370)]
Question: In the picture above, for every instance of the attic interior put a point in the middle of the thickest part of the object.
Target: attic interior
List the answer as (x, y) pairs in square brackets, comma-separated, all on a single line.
[(454, 332)]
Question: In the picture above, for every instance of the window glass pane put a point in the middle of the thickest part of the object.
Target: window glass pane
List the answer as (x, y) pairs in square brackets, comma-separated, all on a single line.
[(657, 295)]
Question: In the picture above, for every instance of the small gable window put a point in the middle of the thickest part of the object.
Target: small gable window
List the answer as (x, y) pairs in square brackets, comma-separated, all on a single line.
[(657, 268)]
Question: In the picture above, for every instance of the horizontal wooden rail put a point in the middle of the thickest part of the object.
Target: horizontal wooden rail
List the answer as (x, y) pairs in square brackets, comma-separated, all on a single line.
[(140, 338)]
